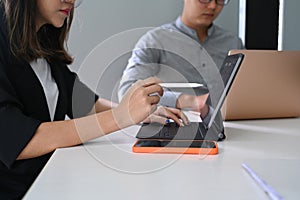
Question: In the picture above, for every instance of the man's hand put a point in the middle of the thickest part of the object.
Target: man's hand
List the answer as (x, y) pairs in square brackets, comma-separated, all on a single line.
[(195, 103)]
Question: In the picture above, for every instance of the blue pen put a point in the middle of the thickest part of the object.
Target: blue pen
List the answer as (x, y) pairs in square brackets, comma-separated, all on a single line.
[(271, 192), (169, 121)]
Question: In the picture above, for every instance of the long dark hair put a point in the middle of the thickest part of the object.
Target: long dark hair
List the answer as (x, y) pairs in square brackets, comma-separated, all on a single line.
[(28, 44)]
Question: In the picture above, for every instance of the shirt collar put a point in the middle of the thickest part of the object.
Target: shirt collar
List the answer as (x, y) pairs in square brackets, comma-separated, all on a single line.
[(191, 32)]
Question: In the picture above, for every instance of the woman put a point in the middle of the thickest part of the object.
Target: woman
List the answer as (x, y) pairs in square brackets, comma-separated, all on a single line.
[(37, 91)]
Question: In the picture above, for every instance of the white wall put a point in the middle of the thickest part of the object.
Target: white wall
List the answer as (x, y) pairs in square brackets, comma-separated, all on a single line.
[(103, 33), (229, 17), (96, 21), (291, 25)]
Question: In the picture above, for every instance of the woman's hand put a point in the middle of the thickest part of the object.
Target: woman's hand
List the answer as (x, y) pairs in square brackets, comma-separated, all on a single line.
[(162, 114), (139, 102)]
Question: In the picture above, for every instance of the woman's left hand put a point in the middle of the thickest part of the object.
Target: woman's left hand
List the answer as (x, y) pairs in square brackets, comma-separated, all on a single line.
[(162, 114)]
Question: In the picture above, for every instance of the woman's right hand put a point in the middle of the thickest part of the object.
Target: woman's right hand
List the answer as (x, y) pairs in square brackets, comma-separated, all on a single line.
[(163, 114), (139, 102)]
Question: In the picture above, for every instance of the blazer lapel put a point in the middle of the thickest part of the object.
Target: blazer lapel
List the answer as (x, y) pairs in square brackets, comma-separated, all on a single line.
[(61, 106), (26, 81)]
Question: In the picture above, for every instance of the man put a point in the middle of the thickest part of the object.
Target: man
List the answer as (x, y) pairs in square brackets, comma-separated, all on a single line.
[(187, 50)]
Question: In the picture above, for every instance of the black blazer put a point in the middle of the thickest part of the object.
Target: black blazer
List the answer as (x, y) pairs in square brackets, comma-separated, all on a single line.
[(23, 107)]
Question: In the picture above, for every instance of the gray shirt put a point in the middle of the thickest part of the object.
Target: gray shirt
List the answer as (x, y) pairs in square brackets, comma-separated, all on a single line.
[(174, 53), (152, 58)]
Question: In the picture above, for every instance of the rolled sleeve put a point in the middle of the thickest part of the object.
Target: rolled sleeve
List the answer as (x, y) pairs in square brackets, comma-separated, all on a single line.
[(169, 98), (16, 131), (17, 128)]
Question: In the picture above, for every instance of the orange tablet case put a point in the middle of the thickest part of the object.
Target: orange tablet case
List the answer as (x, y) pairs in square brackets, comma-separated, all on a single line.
[(176, 150)]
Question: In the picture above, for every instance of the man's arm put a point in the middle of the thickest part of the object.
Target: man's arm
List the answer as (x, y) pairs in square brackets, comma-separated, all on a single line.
[(141, 65), (195, 103)]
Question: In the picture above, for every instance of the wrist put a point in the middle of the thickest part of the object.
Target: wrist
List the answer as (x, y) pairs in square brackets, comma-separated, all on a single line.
[(204, 111), (185, 101), (121, 120)]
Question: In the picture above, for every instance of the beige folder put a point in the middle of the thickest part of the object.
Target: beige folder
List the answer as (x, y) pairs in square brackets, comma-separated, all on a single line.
[(266, 86)]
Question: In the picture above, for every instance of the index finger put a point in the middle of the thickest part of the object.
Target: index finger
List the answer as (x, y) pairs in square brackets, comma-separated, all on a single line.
[(153, 90), (150, 81)]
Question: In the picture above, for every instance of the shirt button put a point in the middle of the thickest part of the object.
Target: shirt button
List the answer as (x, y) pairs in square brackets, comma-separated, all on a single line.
[(203, 64)]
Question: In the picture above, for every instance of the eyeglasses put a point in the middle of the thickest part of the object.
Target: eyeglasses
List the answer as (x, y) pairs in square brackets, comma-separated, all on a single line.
[(219, 2), (76, 2)]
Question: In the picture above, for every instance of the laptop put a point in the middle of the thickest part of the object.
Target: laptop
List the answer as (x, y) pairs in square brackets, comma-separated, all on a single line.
[(267, 86), (196, 130)]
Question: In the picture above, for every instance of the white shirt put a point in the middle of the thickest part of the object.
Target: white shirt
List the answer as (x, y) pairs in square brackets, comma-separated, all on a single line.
[(43, 72)]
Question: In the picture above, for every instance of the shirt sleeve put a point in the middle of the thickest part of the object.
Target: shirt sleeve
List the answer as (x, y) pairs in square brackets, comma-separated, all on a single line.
[(142, 64), (17, 129), (169, 98)]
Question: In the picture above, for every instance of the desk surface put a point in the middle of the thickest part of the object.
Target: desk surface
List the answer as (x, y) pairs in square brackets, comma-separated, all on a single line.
[(106, 168)]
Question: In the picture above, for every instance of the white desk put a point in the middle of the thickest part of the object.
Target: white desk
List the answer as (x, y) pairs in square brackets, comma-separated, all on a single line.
[(107, 169)]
